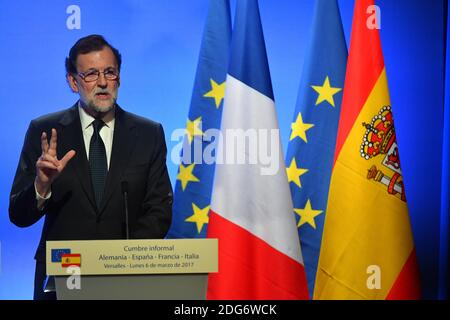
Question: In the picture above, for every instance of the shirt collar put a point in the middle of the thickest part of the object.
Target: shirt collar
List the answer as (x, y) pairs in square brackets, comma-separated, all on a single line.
[(86, 119)]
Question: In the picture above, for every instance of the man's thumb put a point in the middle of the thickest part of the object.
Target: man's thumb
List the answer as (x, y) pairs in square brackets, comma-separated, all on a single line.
[(69, 155)]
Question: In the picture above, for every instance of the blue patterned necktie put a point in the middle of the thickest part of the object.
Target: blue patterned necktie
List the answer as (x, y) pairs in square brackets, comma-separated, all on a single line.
[(97, 161)]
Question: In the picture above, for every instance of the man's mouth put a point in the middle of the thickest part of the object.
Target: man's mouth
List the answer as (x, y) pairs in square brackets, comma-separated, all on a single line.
[(102, 95)]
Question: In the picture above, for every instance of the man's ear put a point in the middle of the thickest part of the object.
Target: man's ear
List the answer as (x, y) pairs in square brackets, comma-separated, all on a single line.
[(72, 82)]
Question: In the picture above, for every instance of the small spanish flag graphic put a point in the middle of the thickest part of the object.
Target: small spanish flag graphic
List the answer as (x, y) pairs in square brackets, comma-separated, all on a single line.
[(73, 259)]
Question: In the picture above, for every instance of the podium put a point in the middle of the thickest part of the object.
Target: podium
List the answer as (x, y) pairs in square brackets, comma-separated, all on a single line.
[(131, 269)]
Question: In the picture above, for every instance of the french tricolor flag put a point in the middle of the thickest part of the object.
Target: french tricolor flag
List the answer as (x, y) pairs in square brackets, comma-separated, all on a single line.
[(251, 207)]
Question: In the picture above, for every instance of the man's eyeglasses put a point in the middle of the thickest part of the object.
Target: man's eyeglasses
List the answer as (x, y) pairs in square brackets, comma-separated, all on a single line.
[(92, 75)]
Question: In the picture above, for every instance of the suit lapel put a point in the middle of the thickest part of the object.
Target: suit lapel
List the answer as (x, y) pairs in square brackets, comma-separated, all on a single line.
[(73, 139), (124, 140)]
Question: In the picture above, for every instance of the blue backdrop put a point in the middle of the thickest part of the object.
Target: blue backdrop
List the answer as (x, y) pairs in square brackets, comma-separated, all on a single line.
[(160, 41)]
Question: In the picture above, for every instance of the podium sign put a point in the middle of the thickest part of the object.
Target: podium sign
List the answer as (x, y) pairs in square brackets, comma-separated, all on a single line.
[(132, 269), (109, 257)]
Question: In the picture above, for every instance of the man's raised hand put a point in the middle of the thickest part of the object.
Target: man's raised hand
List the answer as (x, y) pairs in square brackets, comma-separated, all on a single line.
[(48, 167)]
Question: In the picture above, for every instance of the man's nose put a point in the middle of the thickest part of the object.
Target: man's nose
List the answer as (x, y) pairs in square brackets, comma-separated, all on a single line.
[(101, 81)]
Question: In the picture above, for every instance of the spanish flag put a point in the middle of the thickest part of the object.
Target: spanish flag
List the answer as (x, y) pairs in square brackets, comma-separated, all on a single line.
[(73, 259), (367, 248)]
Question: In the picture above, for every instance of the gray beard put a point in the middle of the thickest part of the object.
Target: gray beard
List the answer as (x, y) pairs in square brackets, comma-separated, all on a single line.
[(97, 109)]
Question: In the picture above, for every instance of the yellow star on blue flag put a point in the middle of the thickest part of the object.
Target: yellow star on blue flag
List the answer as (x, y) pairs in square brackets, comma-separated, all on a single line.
[(326, 92), (185, 175), (217, 92), (200, 217), (307, 215)]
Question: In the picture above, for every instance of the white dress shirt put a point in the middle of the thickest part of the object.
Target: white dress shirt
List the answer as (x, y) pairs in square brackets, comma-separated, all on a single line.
[(106, 133)]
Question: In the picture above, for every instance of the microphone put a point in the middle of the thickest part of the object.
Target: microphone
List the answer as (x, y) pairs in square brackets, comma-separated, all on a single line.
[(124, 185)]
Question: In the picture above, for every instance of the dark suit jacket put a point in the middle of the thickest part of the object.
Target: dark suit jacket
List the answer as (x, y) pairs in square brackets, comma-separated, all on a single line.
[(138, 156)]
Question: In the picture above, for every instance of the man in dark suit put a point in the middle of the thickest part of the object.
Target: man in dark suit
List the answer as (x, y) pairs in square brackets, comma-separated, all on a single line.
[(75, 180)]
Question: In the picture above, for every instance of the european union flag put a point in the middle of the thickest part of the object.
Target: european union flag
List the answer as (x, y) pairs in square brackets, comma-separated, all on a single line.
[(310, 152), (58, 253), (193, 187)]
